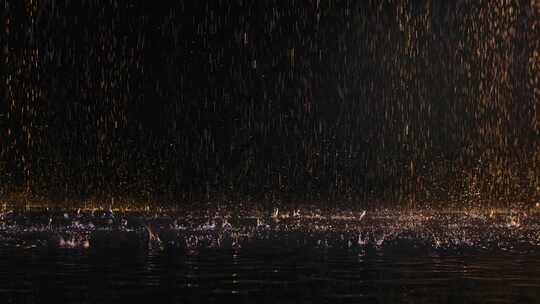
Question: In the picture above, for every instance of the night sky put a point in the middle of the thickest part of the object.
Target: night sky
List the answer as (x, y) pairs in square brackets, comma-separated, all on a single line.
[(355, 101)]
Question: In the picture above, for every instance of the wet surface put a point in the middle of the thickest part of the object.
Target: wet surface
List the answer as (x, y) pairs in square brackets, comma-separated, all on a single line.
[(383, 258)]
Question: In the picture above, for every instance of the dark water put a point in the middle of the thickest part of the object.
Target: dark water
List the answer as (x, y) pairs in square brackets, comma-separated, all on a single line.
[(275, 265), (267, 275)]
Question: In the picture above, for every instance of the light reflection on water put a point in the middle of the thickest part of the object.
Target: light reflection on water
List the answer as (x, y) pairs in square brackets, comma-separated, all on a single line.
[(268, 275)]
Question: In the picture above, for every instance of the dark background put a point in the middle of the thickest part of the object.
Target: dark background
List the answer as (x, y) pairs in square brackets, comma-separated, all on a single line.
[(355, 101)]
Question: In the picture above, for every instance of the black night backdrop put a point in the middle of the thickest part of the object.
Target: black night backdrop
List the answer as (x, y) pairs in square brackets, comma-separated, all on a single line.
[(313, 100), (270, 104)]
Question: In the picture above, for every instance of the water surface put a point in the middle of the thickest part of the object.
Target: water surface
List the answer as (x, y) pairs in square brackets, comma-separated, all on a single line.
[(291, 261)]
